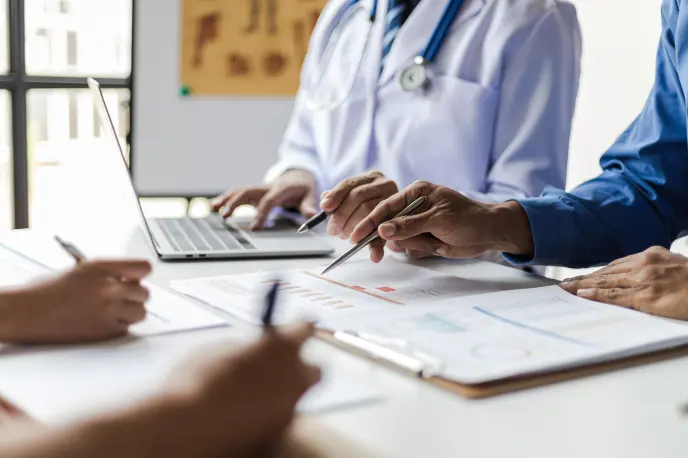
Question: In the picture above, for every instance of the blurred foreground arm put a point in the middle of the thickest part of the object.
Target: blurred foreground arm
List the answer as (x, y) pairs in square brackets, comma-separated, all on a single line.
[(230, 404)]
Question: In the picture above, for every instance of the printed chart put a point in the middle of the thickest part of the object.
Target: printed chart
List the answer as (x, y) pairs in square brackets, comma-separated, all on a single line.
[(355, 287)]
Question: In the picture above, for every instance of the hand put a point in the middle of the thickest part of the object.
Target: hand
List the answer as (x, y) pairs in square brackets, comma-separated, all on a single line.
[(654, 281), (292, 189), (95, 300), (353, 199), (449, 225), (242, 401)]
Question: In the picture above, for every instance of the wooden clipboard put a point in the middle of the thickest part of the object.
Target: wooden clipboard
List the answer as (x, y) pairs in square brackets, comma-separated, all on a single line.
[(510, 385)]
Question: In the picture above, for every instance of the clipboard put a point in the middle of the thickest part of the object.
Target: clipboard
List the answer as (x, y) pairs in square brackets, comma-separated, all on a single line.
[(419, 368)]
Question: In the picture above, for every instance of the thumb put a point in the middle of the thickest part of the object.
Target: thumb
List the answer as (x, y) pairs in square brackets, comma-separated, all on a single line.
[(129, 269), (308, 206), (405, 227)]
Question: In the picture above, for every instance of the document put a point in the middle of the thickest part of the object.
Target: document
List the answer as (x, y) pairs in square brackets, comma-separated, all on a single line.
[(358, 286), (166, 311), (169, 312), (501, 335)]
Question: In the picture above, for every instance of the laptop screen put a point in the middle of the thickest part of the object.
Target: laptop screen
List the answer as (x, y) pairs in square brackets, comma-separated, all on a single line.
[(114, 185)]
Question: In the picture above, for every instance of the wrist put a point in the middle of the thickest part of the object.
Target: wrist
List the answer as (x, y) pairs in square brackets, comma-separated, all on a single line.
[(304, 174), (163, 426), (511, 229), (10, 304)]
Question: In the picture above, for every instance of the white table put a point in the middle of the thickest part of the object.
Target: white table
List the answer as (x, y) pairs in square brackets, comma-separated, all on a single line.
[(631, 413)]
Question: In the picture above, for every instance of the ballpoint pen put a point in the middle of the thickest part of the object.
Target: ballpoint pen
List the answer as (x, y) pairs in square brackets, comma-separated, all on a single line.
[(415, 205), (270, 301), (70, 248), (313, 222)]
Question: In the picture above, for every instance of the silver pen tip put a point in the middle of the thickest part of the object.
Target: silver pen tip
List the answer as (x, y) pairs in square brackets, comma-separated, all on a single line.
[(302, 229), (327, 269)]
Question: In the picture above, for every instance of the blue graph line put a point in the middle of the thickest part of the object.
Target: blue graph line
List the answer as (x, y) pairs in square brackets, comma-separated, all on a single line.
[(530, 328)]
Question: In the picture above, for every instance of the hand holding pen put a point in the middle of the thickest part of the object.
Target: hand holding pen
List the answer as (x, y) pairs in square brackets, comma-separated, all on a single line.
[(350, 201), (85, 303)]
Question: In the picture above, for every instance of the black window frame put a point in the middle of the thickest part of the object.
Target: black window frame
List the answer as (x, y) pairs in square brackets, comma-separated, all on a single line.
[(18, 83)]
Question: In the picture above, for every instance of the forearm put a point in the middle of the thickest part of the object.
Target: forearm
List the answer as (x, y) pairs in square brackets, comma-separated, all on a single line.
[(12, 304), (160, 427)]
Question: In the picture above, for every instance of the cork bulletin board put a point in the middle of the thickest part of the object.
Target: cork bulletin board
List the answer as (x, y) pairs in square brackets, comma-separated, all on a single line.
[(244, 47)]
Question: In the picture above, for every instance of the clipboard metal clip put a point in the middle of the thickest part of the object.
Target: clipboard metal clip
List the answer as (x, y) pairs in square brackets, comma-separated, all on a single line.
[(416, 362)]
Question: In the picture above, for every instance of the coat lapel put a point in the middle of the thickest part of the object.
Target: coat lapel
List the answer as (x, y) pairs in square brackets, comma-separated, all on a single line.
[(417, 30)]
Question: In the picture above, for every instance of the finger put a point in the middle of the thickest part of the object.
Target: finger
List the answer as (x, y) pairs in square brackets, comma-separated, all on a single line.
[(601, 282), (219, 201), (134, 292), (131, 312), (356, 217), (265, 206), (412, 254), (405, 227), (297, 335), (360, 202), (131, 269), (308, 206), (423, 243), (248, 196), (336, 195), (624, 297), (377, 250), (394, 246), (387, 209), (312, 375)]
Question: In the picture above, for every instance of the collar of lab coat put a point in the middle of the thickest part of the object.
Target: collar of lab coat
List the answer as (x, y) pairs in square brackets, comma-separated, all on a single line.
[(417, 30)]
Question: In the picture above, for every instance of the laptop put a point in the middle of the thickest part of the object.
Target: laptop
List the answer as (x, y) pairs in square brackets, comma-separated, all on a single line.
[(211, 237)]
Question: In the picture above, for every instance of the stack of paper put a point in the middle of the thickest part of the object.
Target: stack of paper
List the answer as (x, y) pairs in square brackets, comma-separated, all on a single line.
[(166, 311), (444, 321)]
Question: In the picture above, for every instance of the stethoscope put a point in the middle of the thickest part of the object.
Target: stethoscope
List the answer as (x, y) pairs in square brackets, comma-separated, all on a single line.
[(414, 77)]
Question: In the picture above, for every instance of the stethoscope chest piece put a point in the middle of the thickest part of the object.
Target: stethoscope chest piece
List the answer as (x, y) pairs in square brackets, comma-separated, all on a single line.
[(414, 77)]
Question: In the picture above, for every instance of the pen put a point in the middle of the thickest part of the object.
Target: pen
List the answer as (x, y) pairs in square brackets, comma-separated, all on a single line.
[(270, 301), (415, 205), (313, 222), (70, 248)]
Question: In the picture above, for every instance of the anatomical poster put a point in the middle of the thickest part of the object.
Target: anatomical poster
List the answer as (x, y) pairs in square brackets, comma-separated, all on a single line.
[(244, 47)]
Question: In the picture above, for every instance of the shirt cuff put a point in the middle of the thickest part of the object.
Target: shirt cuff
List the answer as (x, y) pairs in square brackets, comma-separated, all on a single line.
[(552, 231), (296, 160)]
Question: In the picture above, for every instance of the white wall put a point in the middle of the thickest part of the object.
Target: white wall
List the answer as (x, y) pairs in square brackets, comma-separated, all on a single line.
[(193, 145), (620, 39)]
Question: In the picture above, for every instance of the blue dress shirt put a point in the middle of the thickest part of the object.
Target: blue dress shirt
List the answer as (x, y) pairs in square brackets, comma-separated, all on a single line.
[(641, 197)]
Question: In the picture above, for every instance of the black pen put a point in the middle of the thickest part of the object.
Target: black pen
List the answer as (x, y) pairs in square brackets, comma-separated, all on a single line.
[(313, 222), (70, 248), (270, 301)]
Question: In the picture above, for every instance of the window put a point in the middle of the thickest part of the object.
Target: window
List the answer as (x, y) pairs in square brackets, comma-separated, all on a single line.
[(79, 38), (59, 162), (43, 93), (71, 49), (4, 38), (6, 217)]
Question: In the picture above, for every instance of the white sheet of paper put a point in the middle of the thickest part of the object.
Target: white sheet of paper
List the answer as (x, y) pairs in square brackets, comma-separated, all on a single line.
[(357, 286), (167, 311), (77, 382), (500, 335)]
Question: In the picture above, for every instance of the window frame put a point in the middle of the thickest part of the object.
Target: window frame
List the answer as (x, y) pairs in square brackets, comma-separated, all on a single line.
[(19, 83)]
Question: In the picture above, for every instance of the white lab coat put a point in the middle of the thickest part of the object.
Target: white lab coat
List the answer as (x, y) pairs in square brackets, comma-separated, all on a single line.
[(494, 123)]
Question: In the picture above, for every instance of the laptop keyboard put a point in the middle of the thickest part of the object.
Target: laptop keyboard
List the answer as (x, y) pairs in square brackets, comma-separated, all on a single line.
[(202, 234)]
